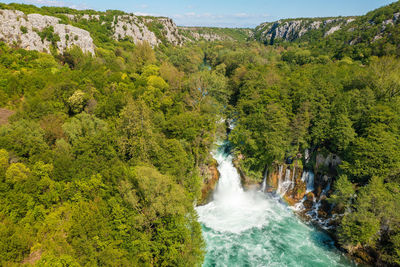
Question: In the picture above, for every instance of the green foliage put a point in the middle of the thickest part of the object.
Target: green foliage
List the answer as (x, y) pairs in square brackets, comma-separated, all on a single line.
[(75, 193), (237, 34), (23, 137), (376, 154), (344, 192), (4, 158), (77, 101), (17, 172), (49, 35), (374, 221), (100, 164), (23, 29)]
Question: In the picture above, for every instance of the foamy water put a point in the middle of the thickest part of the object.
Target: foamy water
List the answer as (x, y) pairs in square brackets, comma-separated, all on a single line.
[(250, 228)]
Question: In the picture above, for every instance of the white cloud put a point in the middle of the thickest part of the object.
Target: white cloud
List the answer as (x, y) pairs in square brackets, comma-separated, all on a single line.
[(45, 2)]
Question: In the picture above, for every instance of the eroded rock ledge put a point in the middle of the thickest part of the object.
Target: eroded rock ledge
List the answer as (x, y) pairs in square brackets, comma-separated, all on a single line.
[(38, 32)]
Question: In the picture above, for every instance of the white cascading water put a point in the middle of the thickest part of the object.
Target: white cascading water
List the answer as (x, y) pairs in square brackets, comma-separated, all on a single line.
[(233, 209), (284, 183), (250, 228), (264, 183), (308, 178), (314, 212), (293, 179)]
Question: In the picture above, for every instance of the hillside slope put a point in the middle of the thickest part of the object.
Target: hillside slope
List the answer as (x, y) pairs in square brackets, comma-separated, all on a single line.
[(47, 28), (295, 29), (376, 33)]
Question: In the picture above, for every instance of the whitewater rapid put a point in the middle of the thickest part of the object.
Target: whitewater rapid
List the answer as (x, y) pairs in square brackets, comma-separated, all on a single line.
[(251, 228)]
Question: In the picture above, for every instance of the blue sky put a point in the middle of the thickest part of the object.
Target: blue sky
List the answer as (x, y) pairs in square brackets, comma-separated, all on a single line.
[(225, 13)]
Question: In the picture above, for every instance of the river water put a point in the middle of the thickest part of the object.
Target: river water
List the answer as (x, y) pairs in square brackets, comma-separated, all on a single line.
[(249, 228)]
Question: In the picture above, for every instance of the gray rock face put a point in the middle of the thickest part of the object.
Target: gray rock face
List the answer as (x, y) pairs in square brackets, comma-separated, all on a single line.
[(170, 31), (393, 21), (24, 31), (290, 30), (332, 30), (21, 30), (137, 28)]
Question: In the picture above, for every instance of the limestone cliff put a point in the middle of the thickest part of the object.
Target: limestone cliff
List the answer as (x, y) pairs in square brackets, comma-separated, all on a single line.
[(293, 29), (34, 32), (369, 28), (62, 31), (152, 30)]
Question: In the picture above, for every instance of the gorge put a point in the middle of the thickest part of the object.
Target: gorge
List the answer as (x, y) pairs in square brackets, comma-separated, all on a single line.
[(110, 140)]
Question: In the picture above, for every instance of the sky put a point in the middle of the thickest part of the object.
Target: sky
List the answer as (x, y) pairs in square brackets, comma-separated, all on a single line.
[(224, 13)]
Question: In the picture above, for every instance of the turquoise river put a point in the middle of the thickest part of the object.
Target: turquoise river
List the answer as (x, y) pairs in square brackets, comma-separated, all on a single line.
[(250, 228)]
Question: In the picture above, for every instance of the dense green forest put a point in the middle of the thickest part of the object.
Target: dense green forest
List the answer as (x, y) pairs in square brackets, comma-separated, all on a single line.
[(101, 162)]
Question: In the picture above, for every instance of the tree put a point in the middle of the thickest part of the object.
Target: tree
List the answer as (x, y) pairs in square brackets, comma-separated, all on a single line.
[(4, 161), (82, 126), (136, 131), (169, 212), (262, 137), (342, 132), (374, 220), (343, 194), (17, 172), (377, 154), (24, 137), (385, 73), (77, 101)]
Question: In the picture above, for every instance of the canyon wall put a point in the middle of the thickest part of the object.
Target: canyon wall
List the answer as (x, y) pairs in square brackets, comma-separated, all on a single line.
[(152, 30), (294, 29), (42, 33), (38, 32)]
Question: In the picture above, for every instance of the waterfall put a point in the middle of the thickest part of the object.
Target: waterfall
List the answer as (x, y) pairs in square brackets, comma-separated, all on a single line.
[(293, 183), (307, 155), (284, 185), (264, 183), (250, 228), (308, 178), (300, 205), (232, 210), (314, 212), (280, 172)]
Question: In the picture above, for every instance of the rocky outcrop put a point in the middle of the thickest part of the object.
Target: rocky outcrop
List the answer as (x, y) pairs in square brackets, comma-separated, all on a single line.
[(307, 190), (152, 30), (287, 180), (210, 180), (169, 30), (291, 30), (41, 33), (385, 24), (34, 32)]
